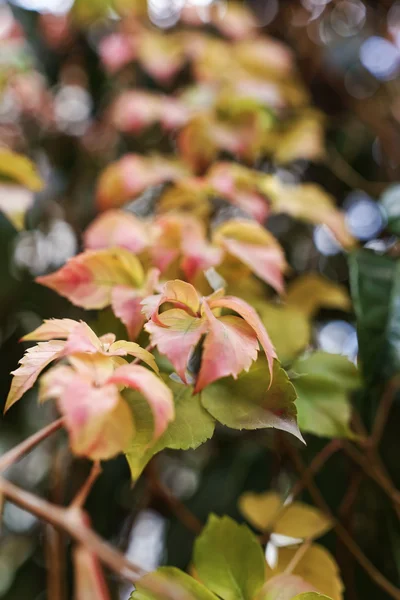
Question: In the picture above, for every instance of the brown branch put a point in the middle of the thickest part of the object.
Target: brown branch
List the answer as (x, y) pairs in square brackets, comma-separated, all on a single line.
[(298, 556), (27, 445), (341, 531), (383, 411), (82, 495), (74, 522)]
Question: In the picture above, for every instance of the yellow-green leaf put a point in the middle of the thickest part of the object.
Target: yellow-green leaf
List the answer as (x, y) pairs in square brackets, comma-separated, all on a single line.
[(229, 560), (20, 169), (298, 520), (308, 293), (169, 583)]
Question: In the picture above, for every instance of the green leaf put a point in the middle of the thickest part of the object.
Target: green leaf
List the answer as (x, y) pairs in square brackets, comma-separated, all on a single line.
[(311, 596), (229, 559), (248, 403), (169, 583), (323, 382), (191, 427), (375, 287), (390, 203)]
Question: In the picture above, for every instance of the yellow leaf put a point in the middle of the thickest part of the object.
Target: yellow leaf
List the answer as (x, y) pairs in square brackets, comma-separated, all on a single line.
[(317, 566), (297, 520), (311, 292), (289, 328), (20, 169), (188, 196), (304, 138)]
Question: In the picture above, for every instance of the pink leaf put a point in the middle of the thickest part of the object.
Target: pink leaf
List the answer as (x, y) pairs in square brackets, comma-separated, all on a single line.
[(82, 339), (51, 329), (229, 348), (126, 305), (158, 395), (117, 228), (117, 50), (248, 313), (176, 333), (98, 420), (268, 262), (87, 280), (90, 583), (32, 364)]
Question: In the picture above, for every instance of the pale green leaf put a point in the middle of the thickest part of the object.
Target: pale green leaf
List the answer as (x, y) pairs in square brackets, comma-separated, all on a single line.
[(192, 426), (323, 382), (229, 559), (249, 403), (169, 583)]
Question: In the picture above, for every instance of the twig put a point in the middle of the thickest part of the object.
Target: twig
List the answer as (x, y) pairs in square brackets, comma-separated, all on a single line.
[(16, 453), (81, 496), (342, 532), (74, 522), (383, 411), (345, 172)]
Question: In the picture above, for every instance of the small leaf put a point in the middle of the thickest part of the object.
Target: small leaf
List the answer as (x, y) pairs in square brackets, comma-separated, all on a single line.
[(229, 559), (191, 427), (169, 583), (51, 329), (308, 293), (20, 169), (323, 387), (317, 567), (251, 402), (297, 520), (32, 364), (88, 279), (157, 394)]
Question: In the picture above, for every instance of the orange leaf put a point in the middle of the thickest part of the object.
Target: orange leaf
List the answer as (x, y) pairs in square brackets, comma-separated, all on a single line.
[(117, 228)]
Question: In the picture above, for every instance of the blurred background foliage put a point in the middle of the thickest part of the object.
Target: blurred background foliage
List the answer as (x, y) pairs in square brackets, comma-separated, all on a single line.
[(54, 92)]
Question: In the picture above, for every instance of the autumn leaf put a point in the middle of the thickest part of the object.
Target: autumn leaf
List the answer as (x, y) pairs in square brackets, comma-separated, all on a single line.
[(323, 382), (317, 567), (268, 404), (51, 329), (229, 560), (98, 420), (117, 228), (162, 57), (88, 279), (296, 520), (254, 246), (157, 394), (32, 364), (20, 169)]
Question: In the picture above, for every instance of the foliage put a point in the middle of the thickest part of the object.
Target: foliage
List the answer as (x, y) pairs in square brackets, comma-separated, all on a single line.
[(190, 261)]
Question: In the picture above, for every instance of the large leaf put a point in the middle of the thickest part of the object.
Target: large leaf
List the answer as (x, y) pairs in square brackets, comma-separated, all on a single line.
[(169, 583), (251, 403), (317, 567), (312, 596), (192, 426), (297, 520), (323, 385), (88, 279), (375, 288), (229, 560)]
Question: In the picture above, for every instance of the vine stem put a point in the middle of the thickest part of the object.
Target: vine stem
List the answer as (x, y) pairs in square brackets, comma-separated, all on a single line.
[(10, 457), (81, 496), (298, 556), (341, 531), (74, 521)]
